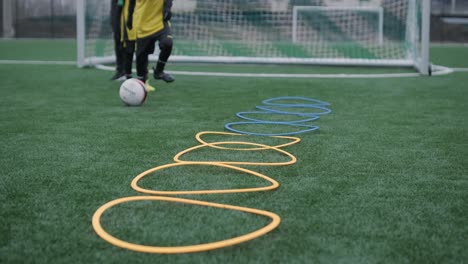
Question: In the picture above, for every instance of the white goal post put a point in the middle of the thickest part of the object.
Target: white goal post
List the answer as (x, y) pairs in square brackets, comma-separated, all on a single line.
[(367, 33)]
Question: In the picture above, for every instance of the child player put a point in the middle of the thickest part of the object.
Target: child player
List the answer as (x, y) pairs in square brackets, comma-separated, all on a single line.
[(151, 19)]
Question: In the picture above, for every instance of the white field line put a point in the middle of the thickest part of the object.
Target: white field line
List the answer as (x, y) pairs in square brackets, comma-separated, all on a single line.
[(293, 75), (438, 70), (460, 69), (37, 62)]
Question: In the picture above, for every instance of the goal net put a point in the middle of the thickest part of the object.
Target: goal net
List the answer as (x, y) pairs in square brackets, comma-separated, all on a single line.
[(330, 32)]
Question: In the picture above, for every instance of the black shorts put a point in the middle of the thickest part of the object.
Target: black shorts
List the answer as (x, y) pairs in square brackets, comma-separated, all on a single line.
[(147, 44)]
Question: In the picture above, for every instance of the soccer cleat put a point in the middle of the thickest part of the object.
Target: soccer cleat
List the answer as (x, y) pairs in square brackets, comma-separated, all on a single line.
[(163, 76), (118, 76), (149, 87)]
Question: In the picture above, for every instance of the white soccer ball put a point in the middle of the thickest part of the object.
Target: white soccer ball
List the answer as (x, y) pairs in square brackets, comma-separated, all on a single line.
[(133, 92)]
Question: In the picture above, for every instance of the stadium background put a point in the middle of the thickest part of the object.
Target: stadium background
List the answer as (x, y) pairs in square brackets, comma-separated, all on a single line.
[(56, 19)]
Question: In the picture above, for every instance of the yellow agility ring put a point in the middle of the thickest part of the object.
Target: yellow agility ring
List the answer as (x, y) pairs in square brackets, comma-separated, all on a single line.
[(262, 147), (182, 249), (293, 141), (224, 164), (134, 184)]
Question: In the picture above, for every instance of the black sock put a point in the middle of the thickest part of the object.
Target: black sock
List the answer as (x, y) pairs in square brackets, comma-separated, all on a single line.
[(160, 66)]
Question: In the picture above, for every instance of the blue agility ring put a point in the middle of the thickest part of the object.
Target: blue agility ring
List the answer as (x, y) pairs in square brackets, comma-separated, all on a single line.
[(315, 101), (242, 115), (324, 112), (229, 126), (270, 107)]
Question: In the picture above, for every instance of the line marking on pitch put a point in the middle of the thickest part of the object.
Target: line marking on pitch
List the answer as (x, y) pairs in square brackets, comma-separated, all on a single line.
[(37, 62), (437, 70)]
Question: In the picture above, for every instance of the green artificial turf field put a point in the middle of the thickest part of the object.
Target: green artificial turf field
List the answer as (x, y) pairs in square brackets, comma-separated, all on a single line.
[(384, 179)]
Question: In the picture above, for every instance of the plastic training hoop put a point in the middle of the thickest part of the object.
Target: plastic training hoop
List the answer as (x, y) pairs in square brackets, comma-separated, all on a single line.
[(263, 147), (309, 128), (134, 184), (96, 222), (293, 141), (315, 101), (325, 110), (242, 115)]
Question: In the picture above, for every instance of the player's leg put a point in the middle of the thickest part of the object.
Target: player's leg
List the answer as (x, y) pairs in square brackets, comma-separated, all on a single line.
[(128, 58), (118, 45), (119, 56), (148, 86), (145, 47), (165, 46)]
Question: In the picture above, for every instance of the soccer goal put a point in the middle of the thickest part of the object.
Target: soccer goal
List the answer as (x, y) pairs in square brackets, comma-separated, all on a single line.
[(363, 23), (327, 32)]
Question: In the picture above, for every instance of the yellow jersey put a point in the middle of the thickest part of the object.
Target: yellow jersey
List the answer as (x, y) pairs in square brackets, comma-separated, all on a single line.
[(131, 33), (148, 17)]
